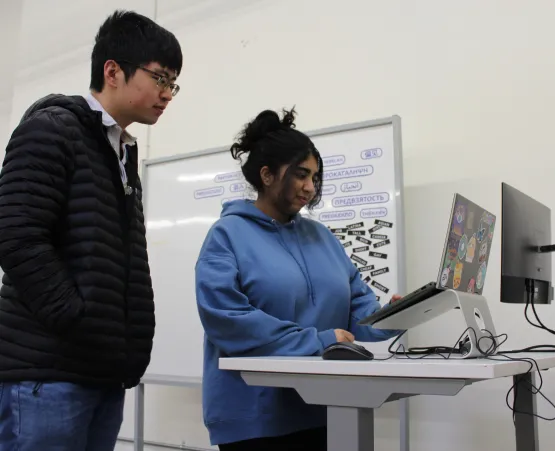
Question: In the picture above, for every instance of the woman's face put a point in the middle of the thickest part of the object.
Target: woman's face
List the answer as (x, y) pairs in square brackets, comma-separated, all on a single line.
[(290, 194)]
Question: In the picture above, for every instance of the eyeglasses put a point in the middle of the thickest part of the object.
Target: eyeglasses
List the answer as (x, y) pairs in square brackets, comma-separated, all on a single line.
[(162, 81)]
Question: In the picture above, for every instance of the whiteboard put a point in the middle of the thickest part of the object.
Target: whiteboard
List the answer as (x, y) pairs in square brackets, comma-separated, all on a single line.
[(362, 203)]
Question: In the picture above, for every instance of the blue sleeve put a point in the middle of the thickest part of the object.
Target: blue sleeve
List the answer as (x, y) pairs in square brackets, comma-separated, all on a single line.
[(231, 323), (363, 304)]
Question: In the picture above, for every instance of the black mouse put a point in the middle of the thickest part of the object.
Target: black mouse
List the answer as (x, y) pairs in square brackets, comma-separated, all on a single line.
[(346, 351)]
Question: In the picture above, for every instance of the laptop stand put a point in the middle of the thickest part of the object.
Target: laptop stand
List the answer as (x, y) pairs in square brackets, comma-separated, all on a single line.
[(473, 308)]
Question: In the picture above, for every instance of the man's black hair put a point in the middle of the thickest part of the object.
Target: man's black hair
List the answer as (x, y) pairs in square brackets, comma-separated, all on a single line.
[(132, 40)]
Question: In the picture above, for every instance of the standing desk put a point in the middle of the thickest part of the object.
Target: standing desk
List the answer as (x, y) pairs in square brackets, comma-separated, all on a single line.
[(351, 390)]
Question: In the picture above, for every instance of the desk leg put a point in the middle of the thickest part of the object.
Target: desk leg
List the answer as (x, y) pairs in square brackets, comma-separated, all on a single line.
[(404, 418), (404, 414), (350, 429), (526, 426), (139, 418)]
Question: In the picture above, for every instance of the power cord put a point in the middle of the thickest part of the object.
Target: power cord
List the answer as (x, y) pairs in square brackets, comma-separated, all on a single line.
[(489, 352), (530, 290), (447, 351)]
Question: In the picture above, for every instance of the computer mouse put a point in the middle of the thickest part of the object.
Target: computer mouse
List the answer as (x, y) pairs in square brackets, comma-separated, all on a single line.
[(346, 351)]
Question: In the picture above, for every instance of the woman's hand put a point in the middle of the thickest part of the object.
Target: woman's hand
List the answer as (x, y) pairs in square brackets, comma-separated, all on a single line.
[(343, 336), (395, 298)]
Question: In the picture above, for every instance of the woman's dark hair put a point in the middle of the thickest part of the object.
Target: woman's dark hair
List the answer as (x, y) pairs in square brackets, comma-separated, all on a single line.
[(274, 142)]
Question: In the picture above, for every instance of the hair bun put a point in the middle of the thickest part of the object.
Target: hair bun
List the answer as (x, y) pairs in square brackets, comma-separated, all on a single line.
[(264, 124)]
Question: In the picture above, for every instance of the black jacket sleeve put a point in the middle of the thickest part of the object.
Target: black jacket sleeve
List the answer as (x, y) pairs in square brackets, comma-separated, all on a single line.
[(33, 195)]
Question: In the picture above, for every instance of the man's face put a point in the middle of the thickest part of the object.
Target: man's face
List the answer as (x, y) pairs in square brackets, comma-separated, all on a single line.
[(147, 93)]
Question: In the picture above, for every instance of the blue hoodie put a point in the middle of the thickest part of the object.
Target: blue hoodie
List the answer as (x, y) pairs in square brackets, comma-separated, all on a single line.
[(270, 289)]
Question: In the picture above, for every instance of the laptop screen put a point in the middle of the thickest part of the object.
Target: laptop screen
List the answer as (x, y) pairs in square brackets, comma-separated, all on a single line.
[(467, 248)]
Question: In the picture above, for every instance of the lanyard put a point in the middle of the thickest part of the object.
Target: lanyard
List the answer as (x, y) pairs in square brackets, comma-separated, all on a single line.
[(123, 173)]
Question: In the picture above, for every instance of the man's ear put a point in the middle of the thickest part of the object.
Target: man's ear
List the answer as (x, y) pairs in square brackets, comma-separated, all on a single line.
[(112, 73)]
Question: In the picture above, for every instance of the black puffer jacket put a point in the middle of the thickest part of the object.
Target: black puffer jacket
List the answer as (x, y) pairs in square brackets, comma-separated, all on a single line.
[(76, 302)]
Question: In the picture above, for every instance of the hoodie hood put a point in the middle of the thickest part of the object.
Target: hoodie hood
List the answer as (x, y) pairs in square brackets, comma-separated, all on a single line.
[(287, 233), (246, 209), (74, 104)]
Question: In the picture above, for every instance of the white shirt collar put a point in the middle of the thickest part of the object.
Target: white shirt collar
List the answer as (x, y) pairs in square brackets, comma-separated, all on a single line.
[(109, 121)]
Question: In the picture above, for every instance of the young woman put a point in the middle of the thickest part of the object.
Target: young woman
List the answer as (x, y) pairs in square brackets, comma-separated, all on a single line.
[(271, 282)]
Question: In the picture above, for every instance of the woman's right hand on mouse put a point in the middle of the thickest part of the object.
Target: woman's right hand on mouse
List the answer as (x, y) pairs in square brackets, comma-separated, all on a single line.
[(343, 335)]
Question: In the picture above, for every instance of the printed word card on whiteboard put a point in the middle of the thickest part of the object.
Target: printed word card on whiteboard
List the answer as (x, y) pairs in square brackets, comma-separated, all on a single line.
[(183, 197)]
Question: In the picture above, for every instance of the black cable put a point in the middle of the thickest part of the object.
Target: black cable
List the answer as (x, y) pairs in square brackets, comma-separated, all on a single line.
[(401, 349), (428, 351), (491, 353), (530, 387), (545, 249), (396, 352), (530, 287), (383, 360), (536, 348), (410, 351), (530, 290)]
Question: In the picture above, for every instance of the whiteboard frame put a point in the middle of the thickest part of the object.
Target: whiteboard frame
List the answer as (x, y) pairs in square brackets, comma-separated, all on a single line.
[(394, 121)]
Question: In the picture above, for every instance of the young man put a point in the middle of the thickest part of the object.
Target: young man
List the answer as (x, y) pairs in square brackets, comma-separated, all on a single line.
[(76, 303)]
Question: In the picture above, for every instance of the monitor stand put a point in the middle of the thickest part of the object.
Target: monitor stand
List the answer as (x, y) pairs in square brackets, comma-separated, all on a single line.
[(474, 309)]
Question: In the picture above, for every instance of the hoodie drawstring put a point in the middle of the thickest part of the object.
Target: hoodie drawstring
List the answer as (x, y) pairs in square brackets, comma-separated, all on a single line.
[(309, 280), (304, 269)]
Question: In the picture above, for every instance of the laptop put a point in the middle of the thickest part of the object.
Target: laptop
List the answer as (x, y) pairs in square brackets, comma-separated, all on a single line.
[(464, 260)]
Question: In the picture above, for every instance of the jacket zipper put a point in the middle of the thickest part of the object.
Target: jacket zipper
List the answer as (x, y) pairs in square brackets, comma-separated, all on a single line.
[(124, 224)]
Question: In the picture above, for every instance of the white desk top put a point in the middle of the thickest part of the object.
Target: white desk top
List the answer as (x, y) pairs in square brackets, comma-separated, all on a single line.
[(429, 367)]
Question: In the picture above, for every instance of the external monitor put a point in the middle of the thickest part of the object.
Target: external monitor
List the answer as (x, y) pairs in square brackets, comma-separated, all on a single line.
[(525, 249)]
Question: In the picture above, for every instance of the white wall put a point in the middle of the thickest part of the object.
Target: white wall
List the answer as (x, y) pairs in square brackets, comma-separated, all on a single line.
[(10, 19), (472, 81)]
